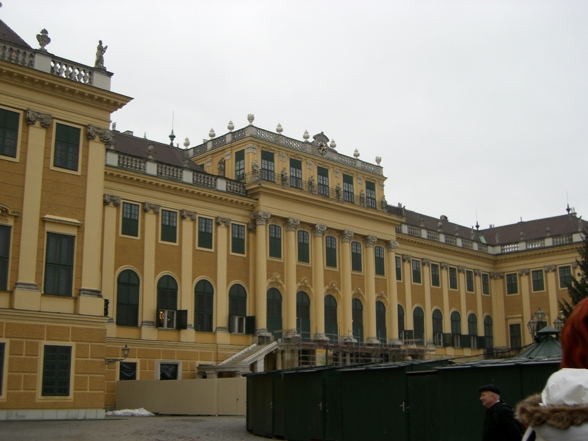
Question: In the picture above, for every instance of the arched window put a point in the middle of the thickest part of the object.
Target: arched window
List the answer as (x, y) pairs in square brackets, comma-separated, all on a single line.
[(419, 325), (204, 301), (303, 315), (438, 328), (331, 324), (237, 309), (167, 302), (473, 330), (127, 299), (488, 335), (400, 322), (357, 317), (274, 312), (381, 322), (456, 329)]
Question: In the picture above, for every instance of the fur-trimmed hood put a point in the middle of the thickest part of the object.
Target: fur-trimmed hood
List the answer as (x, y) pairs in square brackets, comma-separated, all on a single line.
[(560, 412), (531, 412)]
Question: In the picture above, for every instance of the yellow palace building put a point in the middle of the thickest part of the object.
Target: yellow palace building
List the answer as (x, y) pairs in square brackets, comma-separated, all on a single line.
[(249, 252)]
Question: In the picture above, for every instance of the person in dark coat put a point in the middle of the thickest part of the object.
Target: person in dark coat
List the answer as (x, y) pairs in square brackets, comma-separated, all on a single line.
[(499, 422)]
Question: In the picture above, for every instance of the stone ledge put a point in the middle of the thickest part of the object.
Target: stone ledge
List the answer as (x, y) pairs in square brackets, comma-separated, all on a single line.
[(52, 414)]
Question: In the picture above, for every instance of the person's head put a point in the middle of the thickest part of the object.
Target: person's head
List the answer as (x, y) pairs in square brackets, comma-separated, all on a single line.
[(574, 338), (489, 395)]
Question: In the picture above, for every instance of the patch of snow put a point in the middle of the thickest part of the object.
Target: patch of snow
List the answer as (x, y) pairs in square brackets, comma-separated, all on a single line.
[(129, 412)]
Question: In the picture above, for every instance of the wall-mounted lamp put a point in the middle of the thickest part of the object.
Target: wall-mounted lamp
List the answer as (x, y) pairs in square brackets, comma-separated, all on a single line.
[(125, 351)]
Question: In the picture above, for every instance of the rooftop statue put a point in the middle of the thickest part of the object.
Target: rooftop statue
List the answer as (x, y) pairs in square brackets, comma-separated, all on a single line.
[(100, 55)]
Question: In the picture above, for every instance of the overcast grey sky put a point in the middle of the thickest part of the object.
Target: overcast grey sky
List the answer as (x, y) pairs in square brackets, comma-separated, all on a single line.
[(474, 106)]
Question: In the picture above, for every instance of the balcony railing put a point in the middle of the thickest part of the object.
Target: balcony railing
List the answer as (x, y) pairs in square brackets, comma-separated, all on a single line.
[(276, 138), (313, 187), (44, 61), (173, 173)]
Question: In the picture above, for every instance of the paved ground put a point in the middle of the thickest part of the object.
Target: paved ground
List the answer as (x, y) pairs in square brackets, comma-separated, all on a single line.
[(180, 428)]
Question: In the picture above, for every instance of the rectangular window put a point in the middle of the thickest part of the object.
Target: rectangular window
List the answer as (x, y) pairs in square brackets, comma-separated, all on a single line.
[(565, 276), (398, 268), (379, 255), (4, 258), (348, 194), (275, 241), (416, 271), (515, 336), (204, 232), (469, 281), (331, 251), (356, 264), (435, 280), (56, 371), (295, 173), (323, 181), (485, 284), (267, 166), (169, 371), (8, 132), (240, 165), (67, 147), (538, 284), (370, 194), (303, 246), (512, 284), (130, 219), (169, 226), (452, 277), (128, 371), (59, 261), (238, 239)]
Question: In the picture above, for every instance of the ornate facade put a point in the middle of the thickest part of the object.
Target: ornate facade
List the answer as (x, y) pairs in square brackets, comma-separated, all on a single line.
[(189, 256)]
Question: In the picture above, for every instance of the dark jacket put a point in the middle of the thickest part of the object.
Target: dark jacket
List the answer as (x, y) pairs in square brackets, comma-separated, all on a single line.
[(500, 424)]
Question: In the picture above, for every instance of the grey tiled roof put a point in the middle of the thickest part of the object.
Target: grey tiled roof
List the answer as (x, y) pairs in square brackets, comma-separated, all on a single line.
[(134, 146), (529, 230), (8, 35)]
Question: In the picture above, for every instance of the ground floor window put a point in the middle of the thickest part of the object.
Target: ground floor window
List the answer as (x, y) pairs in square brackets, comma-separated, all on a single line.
[(56, 370), (128, 370), (169, 370)]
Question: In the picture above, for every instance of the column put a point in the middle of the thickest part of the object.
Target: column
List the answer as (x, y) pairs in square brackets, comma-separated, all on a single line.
[(186, 278), (498, 313), (290, 265), (551, 275), (461, 274), (149, 303), (111, 204), (261, 218), (426, 270), (347, 328), (27, 294), (527, 339), (479, 313), (407, 270), (318, 280), (445, 288), (392, 289), (370, 289), (90, 301)]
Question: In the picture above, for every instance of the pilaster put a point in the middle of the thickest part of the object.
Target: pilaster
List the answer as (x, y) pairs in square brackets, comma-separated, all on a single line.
[(148, 329), (346, 238), (290, 266), (370, 289), (111, 204), (392, 287), (260, 218), (318, 278), (222, 306)]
